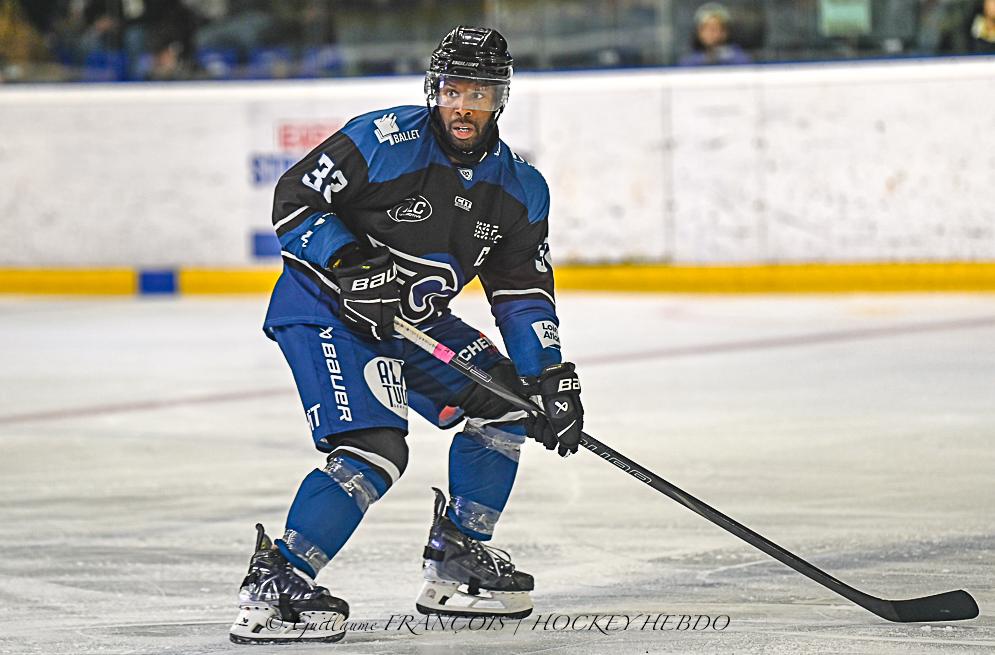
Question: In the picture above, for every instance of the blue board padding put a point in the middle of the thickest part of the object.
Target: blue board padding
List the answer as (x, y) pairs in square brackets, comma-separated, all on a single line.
[(156, 282), (265, 244)]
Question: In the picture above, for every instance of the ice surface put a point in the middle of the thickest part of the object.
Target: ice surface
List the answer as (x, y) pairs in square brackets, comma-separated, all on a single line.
[(140, 440)]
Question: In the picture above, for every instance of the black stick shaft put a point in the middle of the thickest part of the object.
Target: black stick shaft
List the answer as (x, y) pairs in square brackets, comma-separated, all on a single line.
[(933, 610)]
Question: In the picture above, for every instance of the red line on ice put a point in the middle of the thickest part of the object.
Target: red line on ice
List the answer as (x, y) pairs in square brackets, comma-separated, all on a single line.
[(786, 341)]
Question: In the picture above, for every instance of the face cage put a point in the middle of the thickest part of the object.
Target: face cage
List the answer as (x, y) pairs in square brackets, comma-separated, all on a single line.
[(491, 102)]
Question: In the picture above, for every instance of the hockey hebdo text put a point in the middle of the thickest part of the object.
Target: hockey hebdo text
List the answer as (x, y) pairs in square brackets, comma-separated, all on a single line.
[(604, 624)]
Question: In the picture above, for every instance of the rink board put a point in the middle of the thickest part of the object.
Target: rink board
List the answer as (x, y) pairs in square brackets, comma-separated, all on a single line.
[(752, 166), (646, 278)]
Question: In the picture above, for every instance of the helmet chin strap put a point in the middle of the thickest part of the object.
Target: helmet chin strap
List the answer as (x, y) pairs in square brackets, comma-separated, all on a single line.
[(465, 157)]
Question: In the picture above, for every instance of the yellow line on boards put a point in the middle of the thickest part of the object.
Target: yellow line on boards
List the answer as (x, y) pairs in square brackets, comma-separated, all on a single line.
[(793, 278), (207, 281), (61, 281)]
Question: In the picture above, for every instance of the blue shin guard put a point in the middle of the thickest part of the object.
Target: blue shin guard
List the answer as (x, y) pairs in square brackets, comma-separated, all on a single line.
[(328, 507), (483, 461)]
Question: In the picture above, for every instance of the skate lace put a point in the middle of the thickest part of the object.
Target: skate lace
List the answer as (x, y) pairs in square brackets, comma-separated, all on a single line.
[(499, 558), (275, 577)]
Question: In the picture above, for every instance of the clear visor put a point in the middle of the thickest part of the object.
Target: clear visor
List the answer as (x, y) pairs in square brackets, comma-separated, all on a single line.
[(460, 92)]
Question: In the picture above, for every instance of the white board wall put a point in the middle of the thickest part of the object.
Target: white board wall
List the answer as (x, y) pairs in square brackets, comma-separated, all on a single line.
[(816, 163)]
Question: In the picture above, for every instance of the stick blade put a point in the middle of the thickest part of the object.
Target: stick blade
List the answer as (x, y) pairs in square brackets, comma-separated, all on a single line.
[(948, 606)]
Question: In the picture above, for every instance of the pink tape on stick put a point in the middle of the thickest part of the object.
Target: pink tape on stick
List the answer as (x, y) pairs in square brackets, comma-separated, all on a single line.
[(443, 353)]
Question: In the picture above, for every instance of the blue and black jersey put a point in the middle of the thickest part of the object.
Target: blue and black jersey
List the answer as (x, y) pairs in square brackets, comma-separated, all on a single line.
[(383, 180)]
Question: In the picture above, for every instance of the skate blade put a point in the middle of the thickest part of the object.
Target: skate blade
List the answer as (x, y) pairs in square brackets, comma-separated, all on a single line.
[(261, 624), (453, 599)]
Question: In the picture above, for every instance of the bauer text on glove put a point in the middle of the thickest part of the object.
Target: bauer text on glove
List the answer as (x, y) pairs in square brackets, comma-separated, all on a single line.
[(557, 391), (369, 293)]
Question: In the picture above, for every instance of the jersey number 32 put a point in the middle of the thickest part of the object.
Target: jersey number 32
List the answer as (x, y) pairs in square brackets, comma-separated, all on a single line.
[(316, 178)]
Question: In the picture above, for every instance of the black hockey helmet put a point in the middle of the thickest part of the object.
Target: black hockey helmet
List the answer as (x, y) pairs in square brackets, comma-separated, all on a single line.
[(477, 54)]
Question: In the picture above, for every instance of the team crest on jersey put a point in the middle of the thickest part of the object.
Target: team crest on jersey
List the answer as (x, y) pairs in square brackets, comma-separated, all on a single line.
[(411, 210), (467, 174), (387, 131), (427, 285)]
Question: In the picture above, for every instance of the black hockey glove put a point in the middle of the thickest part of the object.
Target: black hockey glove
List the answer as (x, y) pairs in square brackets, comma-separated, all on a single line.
[(557, 391), (369, 294)]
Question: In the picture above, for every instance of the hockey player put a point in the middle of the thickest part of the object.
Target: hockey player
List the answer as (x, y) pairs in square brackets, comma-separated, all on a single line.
[(392, 216)]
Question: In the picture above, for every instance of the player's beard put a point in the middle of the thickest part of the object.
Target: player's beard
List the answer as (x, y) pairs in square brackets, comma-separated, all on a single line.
[(458, 150), (480, 128)]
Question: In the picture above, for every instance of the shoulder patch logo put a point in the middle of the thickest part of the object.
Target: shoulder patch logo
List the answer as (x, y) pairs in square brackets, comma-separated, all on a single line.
[(467, 174), (385, 126), (411, 210), (387, 131)]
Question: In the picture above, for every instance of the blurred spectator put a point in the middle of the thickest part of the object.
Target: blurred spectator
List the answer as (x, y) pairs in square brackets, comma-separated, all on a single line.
[(82, 28), (239, 26), (944, 26), (933, 27), (42, 13), (138, 39), (306, 23), (103, 25), (792, 31), (983, 28), (710, 44), (20, 42), (108, 40), (308, 31), (164, 30)]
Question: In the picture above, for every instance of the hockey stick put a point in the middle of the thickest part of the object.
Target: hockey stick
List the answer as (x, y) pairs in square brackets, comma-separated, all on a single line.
[(949, 606)]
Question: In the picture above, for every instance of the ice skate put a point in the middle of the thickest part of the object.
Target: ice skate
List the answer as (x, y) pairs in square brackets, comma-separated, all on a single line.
[(463, 577), (281, 604)]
